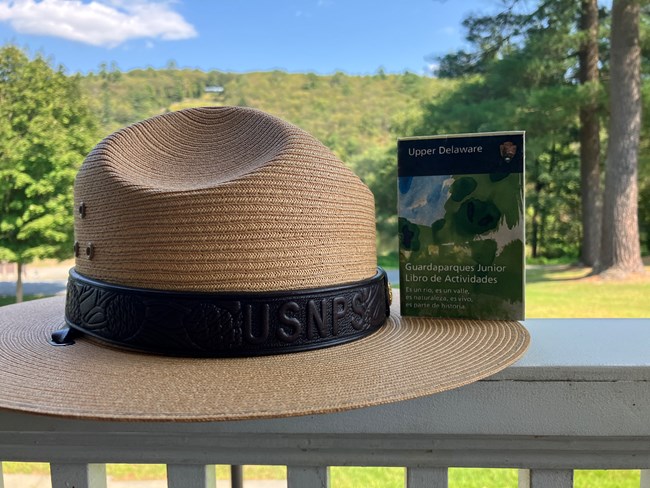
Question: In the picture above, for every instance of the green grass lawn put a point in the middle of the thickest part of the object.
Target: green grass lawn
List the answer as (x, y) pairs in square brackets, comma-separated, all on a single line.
[(569, 292), (5, 300)]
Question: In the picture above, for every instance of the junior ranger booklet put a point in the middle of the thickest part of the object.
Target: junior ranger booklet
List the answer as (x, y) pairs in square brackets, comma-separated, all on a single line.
[(461, 225)]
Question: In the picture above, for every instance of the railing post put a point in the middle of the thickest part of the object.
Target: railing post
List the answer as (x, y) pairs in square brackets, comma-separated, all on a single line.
[(236, 476), (191, 476), (426, 478), (68, 475), (308, 477), (2, 483), (545, 478)]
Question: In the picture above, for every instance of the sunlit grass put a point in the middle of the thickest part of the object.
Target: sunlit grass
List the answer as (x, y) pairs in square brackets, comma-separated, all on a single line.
[(5, 300), (571, 293)]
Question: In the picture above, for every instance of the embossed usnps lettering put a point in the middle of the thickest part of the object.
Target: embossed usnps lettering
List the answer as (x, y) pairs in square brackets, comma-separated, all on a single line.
[(339, 309), (290, 321), (248, 325), (359, 308), (311, 319), (316, 318)]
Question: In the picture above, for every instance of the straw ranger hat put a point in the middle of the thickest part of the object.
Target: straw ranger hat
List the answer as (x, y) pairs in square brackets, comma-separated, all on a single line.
[(225, 269)]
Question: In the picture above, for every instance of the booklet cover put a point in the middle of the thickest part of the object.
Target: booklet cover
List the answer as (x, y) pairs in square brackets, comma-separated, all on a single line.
[(461, 225)]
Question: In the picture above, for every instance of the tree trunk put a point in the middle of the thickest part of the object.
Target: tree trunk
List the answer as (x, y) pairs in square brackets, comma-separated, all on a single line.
[(541, 237), (534, 237), (19, 282), (590, 135), (620, 248)]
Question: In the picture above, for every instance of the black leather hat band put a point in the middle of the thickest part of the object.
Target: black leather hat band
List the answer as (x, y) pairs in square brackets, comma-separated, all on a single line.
[(225, 324)]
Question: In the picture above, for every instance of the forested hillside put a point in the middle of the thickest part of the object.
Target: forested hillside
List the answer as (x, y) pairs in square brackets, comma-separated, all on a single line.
[(350, 114)]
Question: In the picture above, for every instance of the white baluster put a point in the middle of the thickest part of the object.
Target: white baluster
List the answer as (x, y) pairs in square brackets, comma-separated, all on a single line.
[(66, 475), (308, 477), (545, 478)]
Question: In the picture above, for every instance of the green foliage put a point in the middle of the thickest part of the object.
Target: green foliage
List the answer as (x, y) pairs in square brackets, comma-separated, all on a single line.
[(492, 35), (46, 129), (521, 75), (549, 115)]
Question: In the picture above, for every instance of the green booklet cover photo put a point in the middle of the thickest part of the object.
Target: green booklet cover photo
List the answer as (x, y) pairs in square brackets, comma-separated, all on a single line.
[(461, 225)]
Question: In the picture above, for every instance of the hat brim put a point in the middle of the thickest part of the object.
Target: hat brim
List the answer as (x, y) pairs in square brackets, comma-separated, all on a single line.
[(407, 358)]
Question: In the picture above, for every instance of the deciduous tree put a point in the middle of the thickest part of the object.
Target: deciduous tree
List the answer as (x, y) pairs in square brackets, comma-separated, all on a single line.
[(45, 131)]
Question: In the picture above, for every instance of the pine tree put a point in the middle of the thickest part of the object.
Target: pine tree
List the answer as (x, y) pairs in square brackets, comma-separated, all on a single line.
[(553, 51), (620, 252), (590, 171)]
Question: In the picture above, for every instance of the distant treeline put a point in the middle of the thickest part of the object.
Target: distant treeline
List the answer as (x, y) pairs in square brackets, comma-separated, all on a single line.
[(350, 114)]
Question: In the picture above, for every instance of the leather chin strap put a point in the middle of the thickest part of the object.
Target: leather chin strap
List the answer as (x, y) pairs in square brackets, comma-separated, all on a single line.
[(223, 324)]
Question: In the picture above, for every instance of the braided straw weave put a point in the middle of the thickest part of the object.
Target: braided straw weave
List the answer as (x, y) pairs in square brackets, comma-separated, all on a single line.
[(221, 199)]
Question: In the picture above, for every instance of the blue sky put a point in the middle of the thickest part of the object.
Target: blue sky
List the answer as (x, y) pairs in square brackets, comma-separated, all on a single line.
[(322, 36)]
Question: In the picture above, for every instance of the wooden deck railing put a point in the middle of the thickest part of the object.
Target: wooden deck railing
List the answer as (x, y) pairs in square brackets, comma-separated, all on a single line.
[(579, 399)]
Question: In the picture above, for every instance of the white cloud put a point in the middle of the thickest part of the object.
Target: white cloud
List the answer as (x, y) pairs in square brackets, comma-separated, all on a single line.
[(99, 23)]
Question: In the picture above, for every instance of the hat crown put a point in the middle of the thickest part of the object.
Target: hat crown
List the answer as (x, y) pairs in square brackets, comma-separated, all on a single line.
[(221, 199)]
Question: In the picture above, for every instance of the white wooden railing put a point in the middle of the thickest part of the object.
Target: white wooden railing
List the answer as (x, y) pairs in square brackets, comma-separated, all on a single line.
[(579, 399)]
